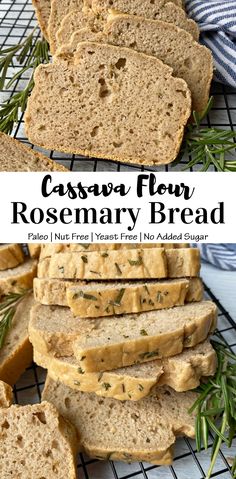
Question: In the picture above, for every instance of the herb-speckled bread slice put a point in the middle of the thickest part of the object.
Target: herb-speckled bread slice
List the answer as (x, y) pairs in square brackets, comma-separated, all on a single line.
[(13, 280), (49, 249), (77, 19), (145, 430), (16, 353), (120, 341), (11, 255), (190, 61), (42, 10), (153, 263), (6, 395), (107, 75), (14, 156), (111, 343), (181, 372), (37, 443), (96, 299)]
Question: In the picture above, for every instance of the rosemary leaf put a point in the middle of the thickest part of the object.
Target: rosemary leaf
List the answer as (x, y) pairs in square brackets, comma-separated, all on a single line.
[(7, 311)]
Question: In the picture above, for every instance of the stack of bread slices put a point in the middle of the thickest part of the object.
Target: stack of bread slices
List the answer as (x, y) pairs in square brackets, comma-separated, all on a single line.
[(123, 331), (124, 79)]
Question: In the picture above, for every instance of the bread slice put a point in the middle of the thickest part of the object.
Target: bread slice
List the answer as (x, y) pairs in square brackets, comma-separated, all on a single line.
[(16, 354), (14, 156), (59, 9), (153, 263), (49, 249), (34, 249), (175, 47), (105, 299), (11, 255), (181, 372), (42, 10), (128, 431), (136, 122), (37, 442), (132, 338), (76, 19), (6, 395), (15, 279)]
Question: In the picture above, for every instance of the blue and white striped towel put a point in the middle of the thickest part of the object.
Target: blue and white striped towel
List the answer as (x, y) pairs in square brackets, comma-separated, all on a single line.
[(217, 23), (222, 255)]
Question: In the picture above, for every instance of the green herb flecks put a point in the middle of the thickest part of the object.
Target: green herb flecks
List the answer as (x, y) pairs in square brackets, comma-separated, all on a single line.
[(7, 312), (118, 268), (85, 245), (104, 255), (118, 299), (80, 370), (29, 54), (84, 259), (216, 406), (89, 297), (136, 262), (149, 355), (143, 332), (106, 386), (207, 146), (159, 297)]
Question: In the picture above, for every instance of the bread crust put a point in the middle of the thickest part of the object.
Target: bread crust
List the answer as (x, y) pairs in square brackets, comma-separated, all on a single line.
[(11, 255)]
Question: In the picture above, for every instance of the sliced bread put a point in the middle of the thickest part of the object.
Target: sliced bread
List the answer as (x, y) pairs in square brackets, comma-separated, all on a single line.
[(110, 343), (14, 156), (42, 10), (153, 263), (152, 335), (37, 443), (105, 299), (181, 372), (129, 431), (11, 255), (49, 249), (15, 279), (136, 121), (77, 19), (16, 353), (6, 395), (34, 249), (189, 60), (59, 9)]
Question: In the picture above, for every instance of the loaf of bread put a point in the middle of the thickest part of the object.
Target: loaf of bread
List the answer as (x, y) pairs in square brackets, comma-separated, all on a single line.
[(80, 19), (153, 263), (14, 156), (136, 122), (11, 255), (15, 279), (16, 353), (127, 431), (49, 249), (37, 443), (132, 383), (117, 341), (34, 249), (6, 395), (105, 299), (175, 47), (42, 10)]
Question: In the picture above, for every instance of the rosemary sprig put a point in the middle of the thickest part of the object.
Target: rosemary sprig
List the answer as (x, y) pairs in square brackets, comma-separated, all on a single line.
[(30, 53), (216, 406), (7, 311), (208, 146)]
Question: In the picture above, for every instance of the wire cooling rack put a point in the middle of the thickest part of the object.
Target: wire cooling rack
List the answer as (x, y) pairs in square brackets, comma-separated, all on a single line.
[(188, 462), (17, 20)]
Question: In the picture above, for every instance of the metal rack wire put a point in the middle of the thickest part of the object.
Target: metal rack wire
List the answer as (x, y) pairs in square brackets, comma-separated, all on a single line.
[(188, 462), (17, 20)]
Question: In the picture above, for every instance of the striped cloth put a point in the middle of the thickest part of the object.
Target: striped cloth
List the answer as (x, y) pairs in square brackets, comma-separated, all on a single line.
[(222, 255), (217, 23)]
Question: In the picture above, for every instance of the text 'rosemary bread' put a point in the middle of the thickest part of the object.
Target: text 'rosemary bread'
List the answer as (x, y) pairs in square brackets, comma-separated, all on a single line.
[(105, 299), (153, 263), (36, 443), (181, 372), (128, 431), (80, 19), (16, 353), (96, 97), (110, 343), (175, 47), (14, 280), (49, 249), (14, 156), (11, 255), (6, 395)]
